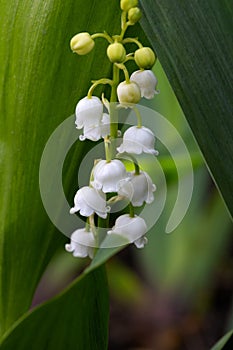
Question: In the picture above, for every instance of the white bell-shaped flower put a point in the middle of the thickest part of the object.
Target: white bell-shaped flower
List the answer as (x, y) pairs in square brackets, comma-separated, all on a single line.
[(133, 229), (82, 244), (95, 133), (137, 140), (89, 112), (108, 174), (146, 81), (138, 189), (88, 201)]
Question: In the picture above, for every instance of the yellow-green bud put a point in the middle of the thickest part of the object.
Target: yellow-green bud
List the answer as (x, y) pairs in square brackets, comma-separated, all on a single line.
[(128, 93), (134, 15), (128, 4), (82, 43), (116, 53), (145, 57)]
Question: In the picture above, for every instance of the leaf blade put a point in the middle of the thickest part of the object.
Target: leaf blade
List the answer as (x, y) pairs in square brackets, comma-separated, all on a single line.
[(58, 324), (193, 44), (40, 83)]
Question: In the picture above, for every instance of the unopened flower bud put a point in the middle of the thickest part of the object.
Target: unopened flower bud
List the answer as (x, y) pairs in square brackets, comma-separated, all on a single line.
[(116, 53), (134, 15), (145, 58), (128, 4), (128, 93), (82, 43)]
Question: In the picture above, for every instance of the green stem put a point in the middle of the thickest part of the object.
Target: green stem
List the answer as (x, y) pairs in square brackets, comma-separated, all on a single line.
[(129, 58), (138, 115), (137, 168), (87, 226), (124, 25), (107, 146), (113, 98), (92, 226), (132, 159), (96, 83), (125, 70), (131, 210), (132, 40), (102, 35)]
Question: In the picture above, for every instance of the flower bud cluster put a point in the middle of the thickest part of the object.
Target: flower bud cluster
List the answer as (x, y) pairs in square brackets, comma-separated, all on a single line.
[(109, 179)]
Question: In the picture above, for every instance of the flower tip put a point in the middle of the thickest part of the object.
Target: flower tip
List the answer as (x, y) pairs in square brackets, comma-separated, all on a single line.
[(141, 242), (72, 211), (82, 138), (68, 248)]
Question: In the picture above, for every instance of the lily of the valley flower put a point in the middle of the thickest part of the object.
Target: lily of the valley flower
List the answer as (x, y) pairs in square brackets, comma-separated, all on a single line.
[(147, 82), (88, 201), (95, 133), (137, 140), (89, 112), (108, 174), (82, 244), (128, 93), (138, 189), (133, 229)]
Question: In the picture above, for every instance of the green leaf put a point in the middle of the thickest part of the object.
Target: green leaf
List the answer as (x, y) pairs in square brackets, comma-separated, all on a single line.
[(227, 340), (115, 241), (40, 83), (77, 318), (193, 43)]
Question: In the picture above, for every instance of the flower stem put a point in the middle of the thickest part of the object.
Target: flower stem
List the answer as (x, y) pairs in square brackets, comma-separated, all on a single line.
[(138, 115), (102, 35), (107, 146), (125, 70), (96, 83), (124, 24), (131, 158), (93, 228), (137, 168), (87, 226), (132, 40), (131, 210), (112, 110)]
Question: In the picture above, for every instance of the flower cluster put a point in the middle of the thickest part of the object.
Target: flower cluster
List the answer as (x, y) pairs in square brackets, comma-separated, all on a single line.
[(109, 179)]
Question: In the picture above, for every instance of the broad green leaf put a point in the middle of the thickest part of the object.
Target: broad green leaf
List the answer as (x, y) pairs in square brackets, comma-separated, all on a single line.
[(76, 319), (194, 45), (117, 243), (226, 342), (40, 83)]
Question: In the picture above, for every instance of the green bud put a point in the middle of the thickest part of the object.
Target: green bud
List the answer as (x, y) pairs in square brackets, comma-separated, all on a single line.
[(116, 53), (145, 58), (134, 15), (128, 4), (82, 43), (128, 93)]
